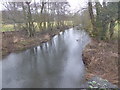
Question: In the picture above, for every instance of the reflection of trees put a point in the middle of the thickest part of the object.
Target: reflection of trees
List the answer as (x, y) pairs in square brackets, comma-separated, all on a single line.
[(33, 59), (45, 62)]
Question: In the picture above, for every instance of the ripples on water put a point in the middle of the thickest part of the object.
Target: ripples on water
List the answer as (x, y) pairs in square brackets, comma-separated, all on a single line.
[(57, 63)]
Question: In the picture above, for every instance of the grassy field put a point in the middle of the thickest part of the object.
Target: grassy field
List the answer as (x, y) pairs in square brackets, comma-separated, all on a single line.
[(8, 27)]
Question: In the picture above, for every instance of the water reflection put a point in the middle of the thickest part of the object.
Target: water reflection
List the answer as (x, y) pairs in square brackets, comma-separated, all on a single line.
[(57, 63)]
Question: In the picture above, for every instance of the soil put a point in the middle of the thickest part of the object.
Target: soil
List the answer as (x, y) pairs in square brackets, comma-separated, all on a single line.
[(101, 59), (16, 41)]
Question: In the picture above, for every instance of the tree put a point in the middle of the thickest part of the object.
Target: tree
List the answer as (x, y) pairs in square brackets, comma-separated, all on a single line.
[(12, 11), (113, 14), (30, 21), (90, 8), (104, 19), (40, 15), (98, 21)]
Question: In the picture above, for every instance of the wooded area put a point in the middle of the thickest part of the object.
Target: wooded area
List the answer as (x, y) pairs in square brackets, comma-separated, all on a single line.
[(105, 19), (36, 16), (42, 15), (30, 24)]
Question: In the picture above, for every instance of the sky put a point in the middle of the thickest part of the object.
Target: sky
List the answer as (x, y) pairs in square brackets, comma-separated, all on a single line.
[(75, 4)]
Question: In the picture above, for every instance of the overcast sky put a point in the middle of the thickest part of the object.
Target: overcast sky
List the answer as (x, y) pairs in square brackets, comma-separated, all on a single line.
[(75, 4)]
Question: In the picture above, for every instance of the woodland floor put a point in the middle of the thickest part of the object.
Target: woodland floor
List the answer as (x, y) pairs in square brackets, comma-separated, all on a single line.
[(101, 59)]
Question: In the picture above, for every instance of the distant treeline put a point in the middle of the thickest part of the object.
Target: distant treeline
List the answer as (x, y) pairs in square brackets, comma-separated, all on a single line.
[(40, 15)]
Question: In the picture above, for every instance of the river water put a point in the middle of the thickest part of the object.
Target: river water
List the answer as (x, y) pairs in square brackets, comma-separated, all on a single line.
[(55, 64)]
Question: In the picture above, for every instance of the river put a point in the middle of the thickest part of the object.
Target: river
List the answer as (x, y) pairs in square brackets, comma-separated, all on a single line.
[(55, 64)]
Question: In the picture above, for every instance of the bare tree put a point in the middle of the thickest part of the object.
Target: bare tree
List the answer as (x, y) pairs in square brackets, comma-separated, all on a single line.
[(30, 21)]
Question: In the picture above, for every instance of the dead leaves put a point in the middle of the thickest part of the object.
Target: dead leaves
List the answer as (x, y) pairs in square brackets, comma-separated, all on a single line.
[(101, 59)]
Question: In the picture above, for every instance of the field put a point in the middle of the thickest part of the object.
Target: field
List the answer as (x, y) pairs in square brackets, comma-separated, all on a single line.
[(10, 27)]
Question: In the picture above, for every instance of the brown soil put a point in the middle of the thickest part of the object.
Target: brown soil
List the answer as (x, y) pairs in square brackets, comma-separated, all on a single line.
[(15, 41), (101, 59)]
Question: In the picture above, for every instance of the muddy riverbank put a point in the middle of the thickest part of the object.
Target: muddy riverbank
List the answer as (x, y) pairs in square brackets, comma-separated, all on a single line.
[(101, 59), (16, 41)]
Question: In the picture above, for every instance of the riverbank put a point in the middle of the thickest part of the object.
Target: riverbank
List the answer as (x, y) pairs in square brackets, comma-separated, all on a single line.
[(101, 59), (16, 41)]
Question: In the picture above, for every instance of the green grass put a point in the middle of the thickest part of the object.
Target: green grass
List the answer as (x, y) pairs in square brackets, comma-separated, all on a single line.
[(8, 27)]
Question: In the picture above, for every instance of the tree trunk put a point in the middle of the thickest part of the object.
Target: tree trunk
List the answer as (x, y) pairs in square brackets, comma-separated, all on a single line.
[(105, 21), (104, 30), (91, 16), (41, 14), (111, 30), (25, 18), (30, 22)]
